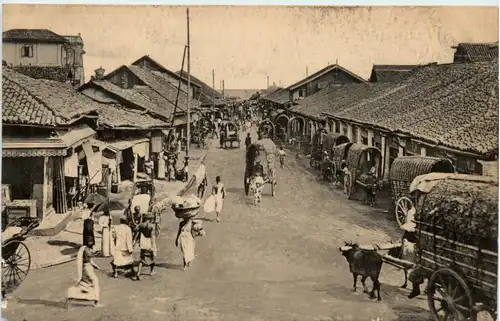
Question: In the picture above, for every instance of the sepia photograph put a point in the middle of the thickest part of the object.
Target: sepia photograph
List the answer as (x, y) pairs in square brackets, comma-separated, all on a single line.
[(260, 163)]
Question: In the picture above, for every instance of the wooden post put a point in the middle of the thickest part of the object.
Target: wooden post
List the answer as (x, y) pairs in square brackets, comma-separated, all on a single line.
[(386, 156), (401, 147), (136, 161), (359, 137)]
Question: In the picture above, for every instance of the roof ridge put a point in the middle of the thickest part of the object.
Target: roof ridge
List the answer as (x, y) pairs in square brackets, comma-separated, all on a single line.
[(35, 97)]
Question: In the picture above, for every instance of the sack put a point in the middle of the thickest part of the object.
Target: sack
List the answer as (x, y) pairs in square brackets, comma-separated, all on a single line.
[(209, 205)]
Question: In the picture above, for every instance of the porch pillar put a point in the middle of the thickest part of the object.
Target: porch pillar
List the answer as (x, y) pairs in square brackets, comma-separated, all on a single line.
[(136, 159), (334, 127), (370, 137), (401, 147), (349, 132), (423, 151), (359, 138), (386, 156)]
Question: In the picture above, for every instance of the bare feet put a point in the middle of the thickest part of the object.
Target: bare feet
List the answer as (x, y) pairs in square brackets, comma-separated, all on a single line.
[(152, 273)]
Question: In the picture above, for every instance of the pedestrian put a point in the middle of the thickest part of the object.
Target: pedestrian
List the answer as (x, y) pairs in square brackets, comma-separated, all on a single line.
[(87, 287), (147, 244), (105, 223), (88, 226), (222, 138), (347, 175), (189, 229), (248, 140), (219, 193), (282, 154), (201, 179), (122, 258)]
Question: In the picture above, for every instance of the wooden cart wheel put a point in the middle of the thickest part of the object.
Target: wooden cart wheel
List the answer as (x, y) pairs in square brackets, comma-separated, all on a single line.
[(403, 205), (449, 296), (17, 264), (348, 182)]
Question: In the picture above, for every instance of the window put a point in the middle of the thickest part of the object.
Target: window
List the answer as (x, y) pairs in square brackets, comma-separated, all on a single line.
[(302, 93), (27, 51)]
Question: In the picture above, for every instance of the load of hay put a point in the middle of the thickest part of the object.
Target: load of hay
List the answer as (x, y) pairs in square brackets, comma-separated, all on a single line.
[(459, 208), (187, 207), (267, 152)]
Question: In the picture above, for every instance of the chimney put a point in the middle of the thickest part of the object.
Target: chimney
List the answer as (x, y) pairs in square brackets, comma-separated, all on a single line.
[(99, 73)]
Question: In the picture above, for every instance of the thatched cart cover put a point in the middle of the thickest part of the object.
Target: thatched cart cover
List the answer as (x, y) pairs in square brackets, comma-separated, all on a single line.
[(358, 164), (406, 168), (267, 152), (332, 139), (339, 153), (457, 223)]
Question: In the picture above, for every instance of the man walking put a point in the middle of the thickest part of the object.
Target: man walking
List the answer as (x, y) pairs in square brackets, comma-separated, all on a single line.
[(219, 193), (248, 140), (147, 244), (201, 179)]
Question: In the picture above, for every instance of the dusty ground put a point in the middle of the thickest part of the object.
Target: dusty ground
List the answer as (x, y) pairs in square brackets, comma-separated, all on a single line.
[(276, 261)]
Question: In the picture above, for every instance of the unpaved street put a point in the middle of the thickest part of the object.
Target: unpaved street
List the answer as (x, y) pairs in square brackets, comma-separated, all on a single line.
[(276, 261)]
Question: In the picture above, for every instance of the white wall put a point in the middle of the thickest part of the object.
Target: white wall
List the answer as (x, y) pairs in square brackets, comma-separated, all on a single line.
[(44, 54)]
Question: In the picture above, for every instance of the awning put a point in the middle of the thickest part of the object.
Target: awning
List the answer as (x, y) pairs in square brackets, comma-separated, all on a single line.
[(119, 145), (50, 146), (102, 145), (75, 136)]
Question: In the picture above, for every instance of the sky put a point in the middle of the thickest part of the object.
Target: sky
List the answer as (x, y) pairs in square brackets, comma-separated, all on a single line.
[(245, 45)]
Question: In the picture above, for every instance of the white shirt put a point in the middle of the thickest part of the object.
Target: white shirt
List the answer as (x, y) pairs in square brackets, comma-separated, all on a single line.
[(281, 152)]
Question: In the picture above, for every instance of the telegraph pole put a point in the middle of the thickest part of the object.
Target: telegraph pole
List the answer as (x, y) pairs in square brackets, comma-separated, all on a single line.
[(222, 88), (189, 92), (267, 82)]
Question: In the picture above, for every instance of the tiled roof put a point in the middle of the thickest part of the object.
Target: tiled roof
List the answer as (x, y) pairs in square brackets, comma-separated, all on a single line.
[(161, 86), (131, 96), (32, 35), (206, 89), (455, 105), (322, 72), (147, 58), (21, 107), (43, 72), (114, 115), (391, 73), (480, 51), (60, 99), (280, 96), (336, 98), (74, 39), (269, 91), (162, 106)]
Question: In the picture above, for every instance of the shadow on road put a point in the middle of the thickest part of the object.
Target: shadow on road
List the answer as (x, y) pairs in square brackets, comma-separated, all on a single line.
[(169, 266), (55, 304), (73, 247), (411, 313)]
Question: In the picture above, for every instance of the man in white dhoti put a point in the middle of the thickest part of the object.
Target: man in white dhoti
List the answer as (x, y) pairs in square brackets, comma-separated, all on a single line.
[(219, 193), (122, 257)]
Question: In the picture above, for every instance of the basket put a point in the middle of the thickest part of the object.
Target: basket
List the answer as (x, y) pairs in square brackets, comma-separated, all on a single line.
[(185, 213)]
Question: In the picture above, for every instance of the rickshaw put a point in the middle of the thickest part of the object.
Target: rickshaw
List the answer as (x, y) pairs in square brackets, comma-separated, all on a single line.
[(143, 193), (403, 171), (359, 159), (16, 257), (457, 251), (232, 134), (265, 151)]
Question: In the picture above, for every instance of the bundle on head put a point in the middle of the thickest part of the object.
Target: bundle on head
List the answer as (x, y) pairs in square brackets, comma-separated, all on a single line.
[(366, 263)]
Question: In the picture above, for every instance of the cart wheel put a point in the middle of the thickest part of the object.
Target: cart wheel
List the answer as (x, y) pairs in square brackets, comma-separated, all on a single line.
[(17, 263), (449, 297), (403, 205), (273, 188), (348, 183)]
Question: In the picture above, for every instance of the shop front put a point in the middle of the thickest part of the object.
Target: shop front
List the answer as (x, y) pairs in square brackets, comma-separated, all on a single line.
[(129, 156)]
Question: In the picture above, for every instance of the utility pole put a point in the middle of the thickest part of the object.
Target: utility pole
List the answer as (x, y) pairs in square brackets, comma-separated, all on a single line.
[(223, 89), (213, 87), (268, 82), (189, 91), (307, 71)]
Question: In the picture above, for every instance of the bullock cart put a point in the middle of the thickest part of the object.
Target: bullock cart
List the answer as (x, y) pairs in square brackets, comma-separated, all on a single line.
[(265, 151), (359, 160), (232, 134), (403, 171), (325, 143), (457, 250)]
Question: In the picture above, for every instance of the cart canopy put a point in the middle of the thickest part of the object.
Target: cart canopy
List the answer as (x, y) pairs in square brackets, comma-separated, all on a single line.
[(406, 168), (459, 207), (266, 152)]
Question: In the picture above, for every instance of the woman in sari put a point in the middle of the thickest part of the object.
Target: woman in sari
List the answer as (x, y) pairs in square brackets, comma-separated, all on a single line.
[(87, 288)]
